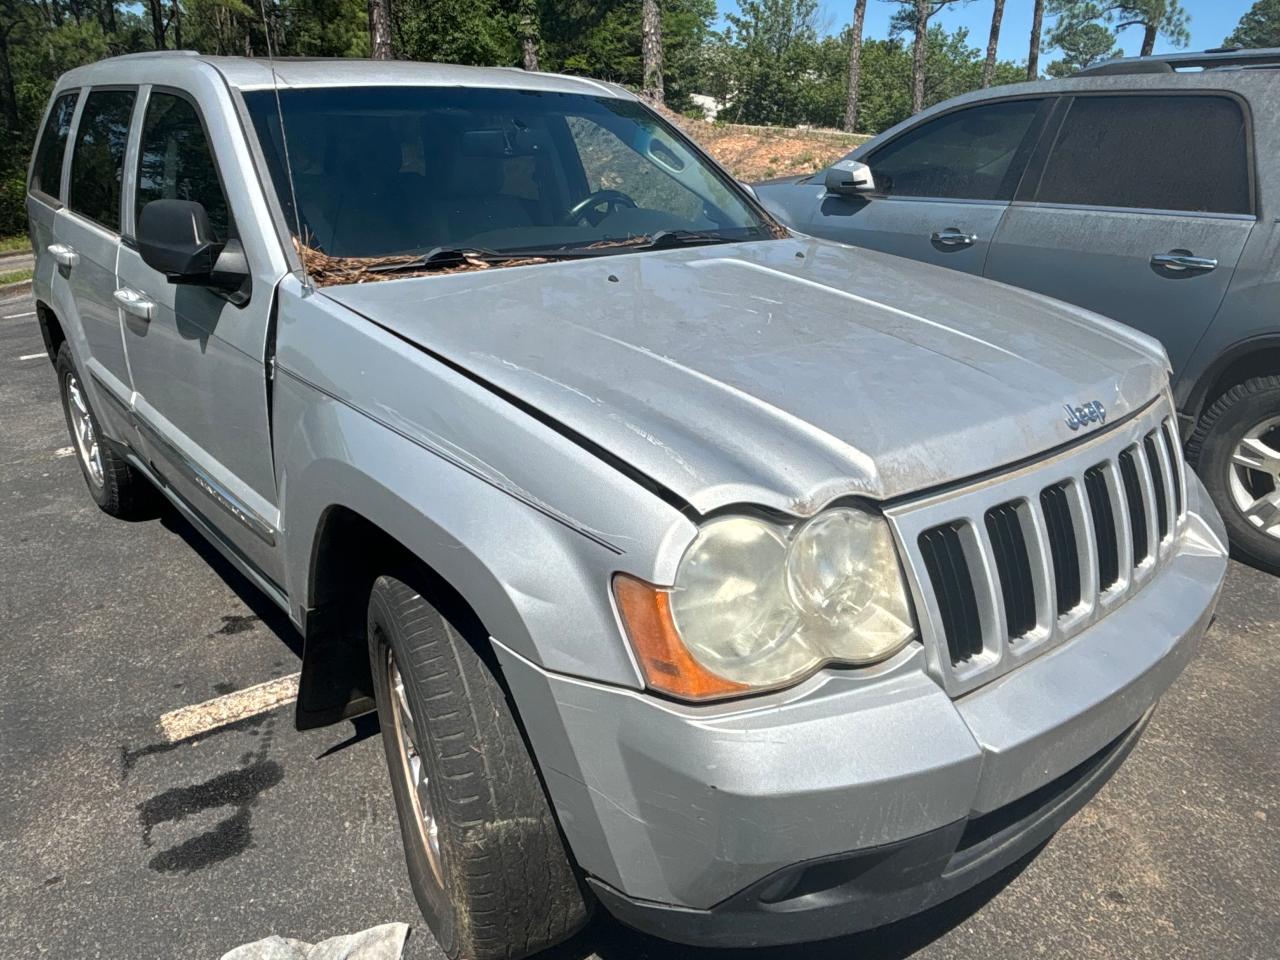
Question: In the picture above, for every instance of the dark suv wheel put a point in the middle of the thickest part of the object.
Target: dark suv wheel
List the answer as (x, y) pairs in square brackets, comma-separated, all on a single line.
[(486, 859), (1236, 451)]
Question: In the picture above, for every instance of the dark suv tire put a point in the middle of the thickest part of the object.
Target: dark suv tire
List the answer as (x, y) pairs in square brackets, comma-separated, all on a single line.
[(486, 860), (1236, 451), (115, 486)]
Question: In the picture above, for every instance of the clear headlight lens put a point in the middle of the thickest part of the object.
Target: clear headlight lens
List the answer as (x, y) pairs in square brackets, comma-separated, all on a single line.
[(757, 605)]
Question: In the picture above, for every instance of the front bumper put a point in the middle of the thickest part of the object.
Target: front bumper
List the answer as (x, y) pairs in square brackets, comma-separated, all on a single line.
[(844, 803)]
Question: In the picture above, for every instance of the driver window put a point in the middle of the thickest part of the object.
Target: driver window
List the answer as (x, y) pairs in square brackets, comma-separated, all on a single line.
[(971, 154), (609, 164)]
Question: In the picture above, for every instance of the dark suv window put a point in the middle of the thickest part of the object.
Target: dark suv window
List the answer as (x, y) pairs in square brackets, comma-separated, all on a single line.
[(97, 163), (175, 161), (1151, 152), (972, 154), (46, 172)]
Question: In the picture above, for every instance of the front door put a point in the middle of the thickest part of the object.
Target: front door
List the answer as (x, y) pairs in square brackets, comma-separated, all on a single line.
[(1139, 211), (942, 186), (197, 355), (86, 243)]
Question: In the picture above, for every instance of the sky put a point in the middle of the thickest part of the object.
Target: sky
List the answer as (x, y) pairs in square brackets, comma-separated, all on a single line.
[(1211, 21)]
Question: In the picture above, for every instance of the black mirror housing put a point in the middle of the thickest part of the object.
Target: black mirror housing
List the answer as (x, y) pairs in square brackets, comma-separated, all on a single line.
[(175, 239)]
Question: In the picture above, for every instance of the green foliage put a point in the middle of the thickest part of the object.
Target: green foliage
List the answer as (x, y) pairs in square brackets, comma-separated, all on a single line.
[(1082, 45), (1159, 17), (1259, 27)]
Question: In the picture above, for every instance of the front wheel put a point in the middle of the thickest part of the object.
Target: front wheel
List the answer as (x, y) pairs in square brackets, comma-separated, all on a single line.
[(486, 860), (1236, 451)]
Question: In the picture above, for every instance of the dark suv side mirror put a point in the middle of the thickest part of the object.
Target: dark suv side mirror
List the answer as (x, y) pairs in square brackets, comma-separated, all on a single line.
[(850, 178), (174, 238)]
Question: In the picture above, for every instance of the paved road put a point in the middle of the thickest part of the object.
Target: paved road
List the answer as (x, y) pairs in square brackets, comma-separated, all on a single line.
[(20, 260), (118, 844)]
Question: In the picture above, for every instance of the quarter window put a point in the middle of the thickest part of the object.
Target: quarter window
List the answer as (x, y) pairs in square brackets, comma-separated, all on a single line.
[(971, 154), (97, 163), (1151, 152), (46, 172), (176, 163)]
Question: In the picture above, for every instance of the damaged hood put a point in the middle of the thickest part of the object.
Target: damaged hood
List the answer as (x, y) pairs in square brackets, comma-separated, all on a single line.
[(783, 373)]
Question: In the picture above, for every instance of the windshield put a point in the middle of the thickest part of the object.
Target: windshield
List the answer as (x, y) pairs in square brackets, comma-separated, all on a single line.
[(381, 172)]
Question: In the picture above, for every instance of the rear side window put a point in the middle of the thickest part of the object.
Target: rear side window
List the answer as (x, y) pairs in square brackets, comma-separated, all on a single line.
[(46, 172), (971, 154), (97, 162), (176, 163), (1151, 152)]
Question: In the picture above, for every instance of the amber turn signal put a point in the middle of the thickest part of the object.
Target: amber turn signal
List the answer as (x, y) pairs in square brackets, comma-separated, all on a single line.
[(666, 663)]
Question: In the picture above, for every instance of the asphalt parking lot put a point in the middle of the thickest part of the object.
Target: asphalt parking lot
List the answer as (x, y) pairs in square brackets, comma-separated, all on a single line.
[(118, 843)]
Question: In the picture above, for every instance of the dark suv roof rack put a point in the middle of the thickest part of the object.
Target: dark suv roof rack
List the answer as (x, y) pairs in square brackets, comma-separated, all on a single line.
[(1170, 62)]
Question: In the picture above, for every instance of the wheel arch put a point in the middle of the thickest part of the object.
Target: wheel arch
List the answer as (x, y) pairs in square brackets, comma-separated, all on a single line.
[(1254, 357), (50, 329)]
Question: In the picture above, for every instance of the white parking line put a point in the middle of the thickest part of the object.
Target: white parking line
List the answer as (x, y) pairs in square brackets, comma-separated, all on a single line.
[(17, 316), (186, 722), (32, 356)]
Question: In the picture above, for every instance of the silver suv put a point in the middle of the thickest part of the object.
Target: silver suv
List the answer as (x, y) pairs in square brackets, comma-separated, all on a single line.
[(755, 587), (1145, 189)]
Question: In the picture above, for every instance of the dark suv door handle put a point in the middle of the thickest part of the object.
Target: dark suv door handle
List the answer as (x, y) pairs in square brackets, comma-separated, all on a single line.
[(1180, 260), (954, 237)]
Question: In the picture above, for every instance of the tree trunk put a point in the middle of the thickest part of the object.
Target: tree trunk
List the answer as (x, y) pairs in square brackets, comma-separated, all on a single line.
[(1149, 39), (177, 25), (529, 33), (855, 65), (989, 67), (10, 93), (917, 55), (1033, 58), (651, 48), (156, 8), (380, 29)]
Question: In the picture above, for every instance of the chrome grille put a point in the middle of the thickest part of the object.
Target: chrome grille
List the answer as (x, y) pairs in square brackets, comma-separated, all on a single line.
[(1009, 567)]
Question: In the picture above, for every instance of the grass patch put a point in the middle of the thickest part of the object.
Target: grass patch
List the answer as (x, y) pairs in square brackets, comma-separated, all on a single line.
[(16, 244), (16, 276)]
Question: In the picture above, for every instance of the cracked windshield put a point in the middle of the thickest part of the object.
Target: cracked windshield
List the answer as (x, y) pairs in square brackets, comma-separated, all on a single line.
[(392, 181)]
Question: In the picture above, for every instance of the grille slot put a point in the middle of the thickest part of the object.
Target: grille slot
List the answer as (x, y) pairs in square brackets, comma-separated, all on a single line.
[(1004, 527), (1062, 545), (1133, 499), (943, 552), (1104, 526), (1007, 567), (1175, 465), (1157, 484)]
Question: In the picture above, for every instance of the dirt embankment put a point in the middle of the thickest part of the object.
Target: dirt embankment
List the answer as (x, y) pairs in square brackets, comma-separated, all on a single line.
[(759, 153)]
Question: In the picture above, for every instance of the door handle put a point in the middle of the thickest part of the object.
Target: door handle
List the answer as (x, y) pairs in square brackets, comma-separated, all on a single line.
[(134, 303), (1180, 260), (954, 237), (64, 255)]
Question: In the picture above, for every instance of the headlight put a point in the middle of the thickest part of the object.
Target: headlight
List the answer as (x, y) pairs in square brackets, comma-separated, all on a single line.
[(757, 605)]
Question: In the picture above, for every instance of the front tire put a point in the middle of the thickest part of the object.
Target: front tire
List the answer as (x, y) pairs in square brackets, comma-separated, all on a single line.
[(486, 860), (1236, 451), (115, 486)]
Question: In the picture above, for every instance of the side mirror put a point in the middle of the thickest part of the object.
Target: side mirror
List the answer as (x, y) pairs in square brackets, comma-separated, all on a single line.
[(750, 189), (175, 239), (850, 178)]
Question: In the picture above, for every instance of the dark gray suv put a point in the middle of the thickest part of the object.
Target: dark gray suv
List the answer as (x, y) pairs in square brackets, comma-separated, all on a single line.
[(1145, 189)]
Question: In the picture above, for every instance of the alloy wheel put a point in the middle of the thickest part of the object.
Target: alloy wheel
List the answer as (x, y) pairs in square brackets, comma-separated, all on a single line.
[(1254, 476), (412, 767), (82, 427)]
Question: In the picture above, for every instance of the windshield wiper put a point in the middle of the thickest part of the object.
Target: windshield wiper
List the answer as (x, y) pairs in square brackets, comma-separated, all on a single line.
[(443, 258), (666, 239)]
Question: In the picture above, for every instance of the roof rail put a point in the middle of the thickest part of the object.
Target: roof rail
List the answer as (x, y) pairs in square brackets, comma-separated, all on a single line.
[(1169, 62)]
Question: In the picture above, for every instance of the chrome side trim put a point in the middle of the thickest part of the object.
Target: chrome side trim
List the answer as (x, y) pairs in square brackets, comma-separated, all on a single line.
[(219, 494)]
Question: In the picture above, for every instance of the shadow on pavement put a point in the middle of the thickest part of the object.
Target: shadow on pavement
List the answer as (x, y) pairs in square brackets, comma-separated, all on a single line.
[(272, 617)]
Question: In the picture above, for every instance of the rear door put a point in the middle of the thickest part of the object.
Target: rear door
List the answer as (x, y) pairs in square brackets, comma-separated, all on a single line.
[(86, 241), (942, 185), (44, 185), (1138, 209)]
